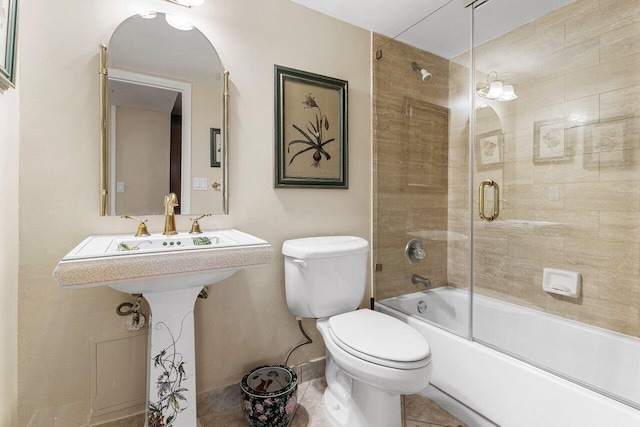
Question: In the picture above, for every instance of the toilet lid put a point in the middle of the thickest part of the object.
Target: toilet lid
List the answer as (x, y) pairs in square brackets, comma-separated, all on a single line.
[(380, 338)]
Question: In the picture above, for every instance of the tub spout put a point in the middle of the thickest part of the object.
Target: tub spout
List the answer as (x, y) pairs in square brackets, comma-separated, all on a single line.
[(419, 280)]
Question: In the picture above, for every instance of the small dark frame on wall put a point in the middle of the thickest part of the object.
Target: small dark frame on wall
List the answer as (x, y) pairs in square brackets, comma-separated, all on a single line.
[(8, 27), (550, 142), (215, 147), (310, 130), (489, 150)]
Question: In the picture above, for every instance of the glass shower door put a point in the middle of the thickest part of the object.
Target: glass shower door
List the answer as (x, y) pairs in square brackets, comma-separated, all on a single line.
[(421, 134), (557, 130)]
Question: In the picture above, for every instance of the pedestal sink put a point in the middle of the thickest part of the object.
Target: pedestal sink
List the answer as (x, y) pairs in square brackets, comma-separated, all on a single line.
[(170, 272)]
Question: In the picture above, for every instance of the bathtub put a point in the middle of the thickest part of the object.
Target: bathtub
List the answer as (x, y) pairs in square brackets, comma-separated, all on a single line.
[(510, 392)]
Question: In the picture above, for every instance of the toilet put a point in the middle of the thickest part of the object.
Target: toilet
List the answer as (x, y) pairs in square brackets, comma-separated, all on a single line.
[(372, 359)]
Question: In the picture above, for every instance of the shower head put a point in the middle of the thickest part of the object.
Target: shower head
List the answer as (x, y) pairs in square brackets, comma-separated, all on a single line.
[(426, 76)]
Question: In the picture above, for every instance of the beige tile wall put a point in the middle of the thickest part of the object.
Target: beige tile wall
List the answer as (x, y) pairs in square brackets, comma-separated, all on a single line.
[(411, 122), (579, 65)]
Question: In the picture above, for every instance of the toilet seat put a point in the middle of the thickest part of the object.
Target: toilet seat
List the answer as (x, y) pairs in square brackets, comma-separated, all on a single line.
[(380, 339)]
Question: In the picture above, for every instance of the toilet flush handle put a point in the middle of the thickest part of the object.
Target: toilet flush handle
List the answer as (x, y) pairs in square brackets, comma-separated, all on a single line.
[(302, 263)]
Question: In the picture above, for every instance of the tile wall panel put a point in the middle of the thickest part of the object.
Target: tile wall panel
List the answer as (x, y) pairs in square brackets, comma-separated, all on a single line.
[(411, 130), (579, 65)]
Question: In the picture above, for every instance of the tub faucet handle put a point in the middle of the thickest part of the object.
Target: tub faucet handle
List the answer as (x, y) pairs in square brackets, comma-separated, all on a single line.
[(414, 251)]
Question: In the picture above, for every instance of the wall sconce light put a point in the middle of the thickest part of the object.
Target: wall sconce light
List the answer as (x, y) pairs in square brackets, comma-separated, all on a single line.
[(495, 88), (187, 3)]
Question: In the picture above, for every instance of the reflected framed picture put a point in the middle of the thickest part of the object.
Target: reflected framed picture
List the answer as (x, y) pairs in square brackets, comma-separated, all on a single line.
[(489, 150), (310, 130), (215, 147), (606, 144), (8, 15), (550, 143)]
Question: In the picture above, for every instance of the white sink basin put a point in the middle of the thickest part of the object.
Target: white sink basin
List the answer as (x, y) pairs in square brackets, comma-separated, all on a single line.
[(160, 263), (169, 243), (124, 244), (169, 271)]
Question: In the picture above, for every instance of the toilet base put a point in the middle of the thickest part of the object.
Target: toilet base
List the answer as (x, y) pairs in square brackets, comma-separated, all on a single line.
[(352, 403), (368, 407)]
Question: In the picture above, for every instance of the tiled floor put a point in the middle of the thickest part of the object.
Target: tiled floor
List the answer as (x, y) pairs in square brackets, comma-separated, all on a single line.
[(418, 411)]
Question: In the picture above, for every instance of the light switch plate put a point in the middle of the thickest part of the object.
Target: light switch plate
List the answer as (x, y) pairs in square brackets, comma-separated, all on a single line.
[(200, 183)]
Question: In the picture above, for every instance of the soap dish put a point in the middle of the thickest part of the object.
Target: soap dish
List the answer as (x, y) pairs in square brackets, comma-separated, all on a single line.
[(562, 282)]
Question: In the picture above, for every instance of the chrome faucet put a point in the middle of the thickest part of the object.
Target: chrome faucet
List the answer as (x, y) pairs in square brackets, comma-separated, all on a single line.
[(170, 202), (419, 280)]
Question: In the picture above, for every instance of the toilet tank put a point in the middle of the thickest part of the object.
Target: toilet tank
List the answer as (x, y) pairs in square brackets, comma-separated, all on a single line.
[(324, 276)]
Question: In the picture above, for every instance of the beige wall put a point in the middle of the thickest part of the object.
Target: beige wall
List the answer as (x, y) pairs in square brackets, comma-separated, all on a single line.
[(410, 162), (580, 66), (143, 144), (244, 322), (9, 107)]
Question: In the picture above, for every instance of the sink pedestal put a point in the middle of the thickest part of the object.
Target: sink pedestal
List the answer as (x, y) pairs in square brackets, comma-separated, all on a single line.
[(171, 363), (170, 272)]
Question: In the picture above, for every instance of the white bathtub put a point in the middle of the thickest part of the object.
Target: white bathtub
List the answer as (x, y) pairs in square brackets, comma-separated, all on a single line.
[(513, 393)]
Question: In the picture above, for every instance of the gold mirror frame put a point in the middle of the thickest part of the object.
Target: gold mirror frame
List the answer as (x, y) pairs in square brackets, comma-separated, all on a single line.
[(104, 74)]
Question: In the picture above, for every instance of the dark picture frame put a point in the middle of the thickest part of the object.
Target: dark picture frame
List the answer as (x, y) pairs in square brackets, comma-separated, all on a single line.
[(8, 29), (310, 130), (215, 147)]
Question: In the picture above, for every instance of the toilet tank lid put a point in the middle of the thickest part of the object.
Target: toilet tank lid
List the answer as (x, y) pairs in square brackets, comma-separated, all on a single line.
[(323, 247)]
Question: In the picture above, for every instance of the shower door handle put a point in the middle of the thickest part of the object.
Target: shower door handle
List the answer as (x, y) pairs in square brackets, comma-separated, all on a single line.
[(496, 199)]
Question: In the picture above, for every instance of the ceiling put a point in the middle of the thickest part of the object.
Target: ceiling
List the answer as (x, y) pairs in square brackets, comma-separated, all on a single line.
[(140, 96), (442, 27)]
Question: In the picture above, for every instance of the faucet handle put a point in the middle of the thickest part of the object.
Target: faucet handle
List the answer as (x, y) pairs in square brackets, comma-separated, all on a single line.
[(142, 227), (414, 252), (195, 227)]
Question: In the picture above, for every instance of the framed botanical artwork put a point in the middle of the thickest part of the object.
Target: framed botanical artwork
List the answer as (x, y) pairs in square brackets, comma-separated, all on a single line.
[(310, 130), (489, 150), (606, 144), (215, 147), (8, 19), (550, 143)]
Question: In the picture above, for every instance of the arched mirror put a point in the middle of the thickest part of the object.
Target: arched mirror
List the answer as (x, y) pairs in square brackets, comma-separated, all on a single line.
[(487, 120), (164, 118), (489, 145)]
